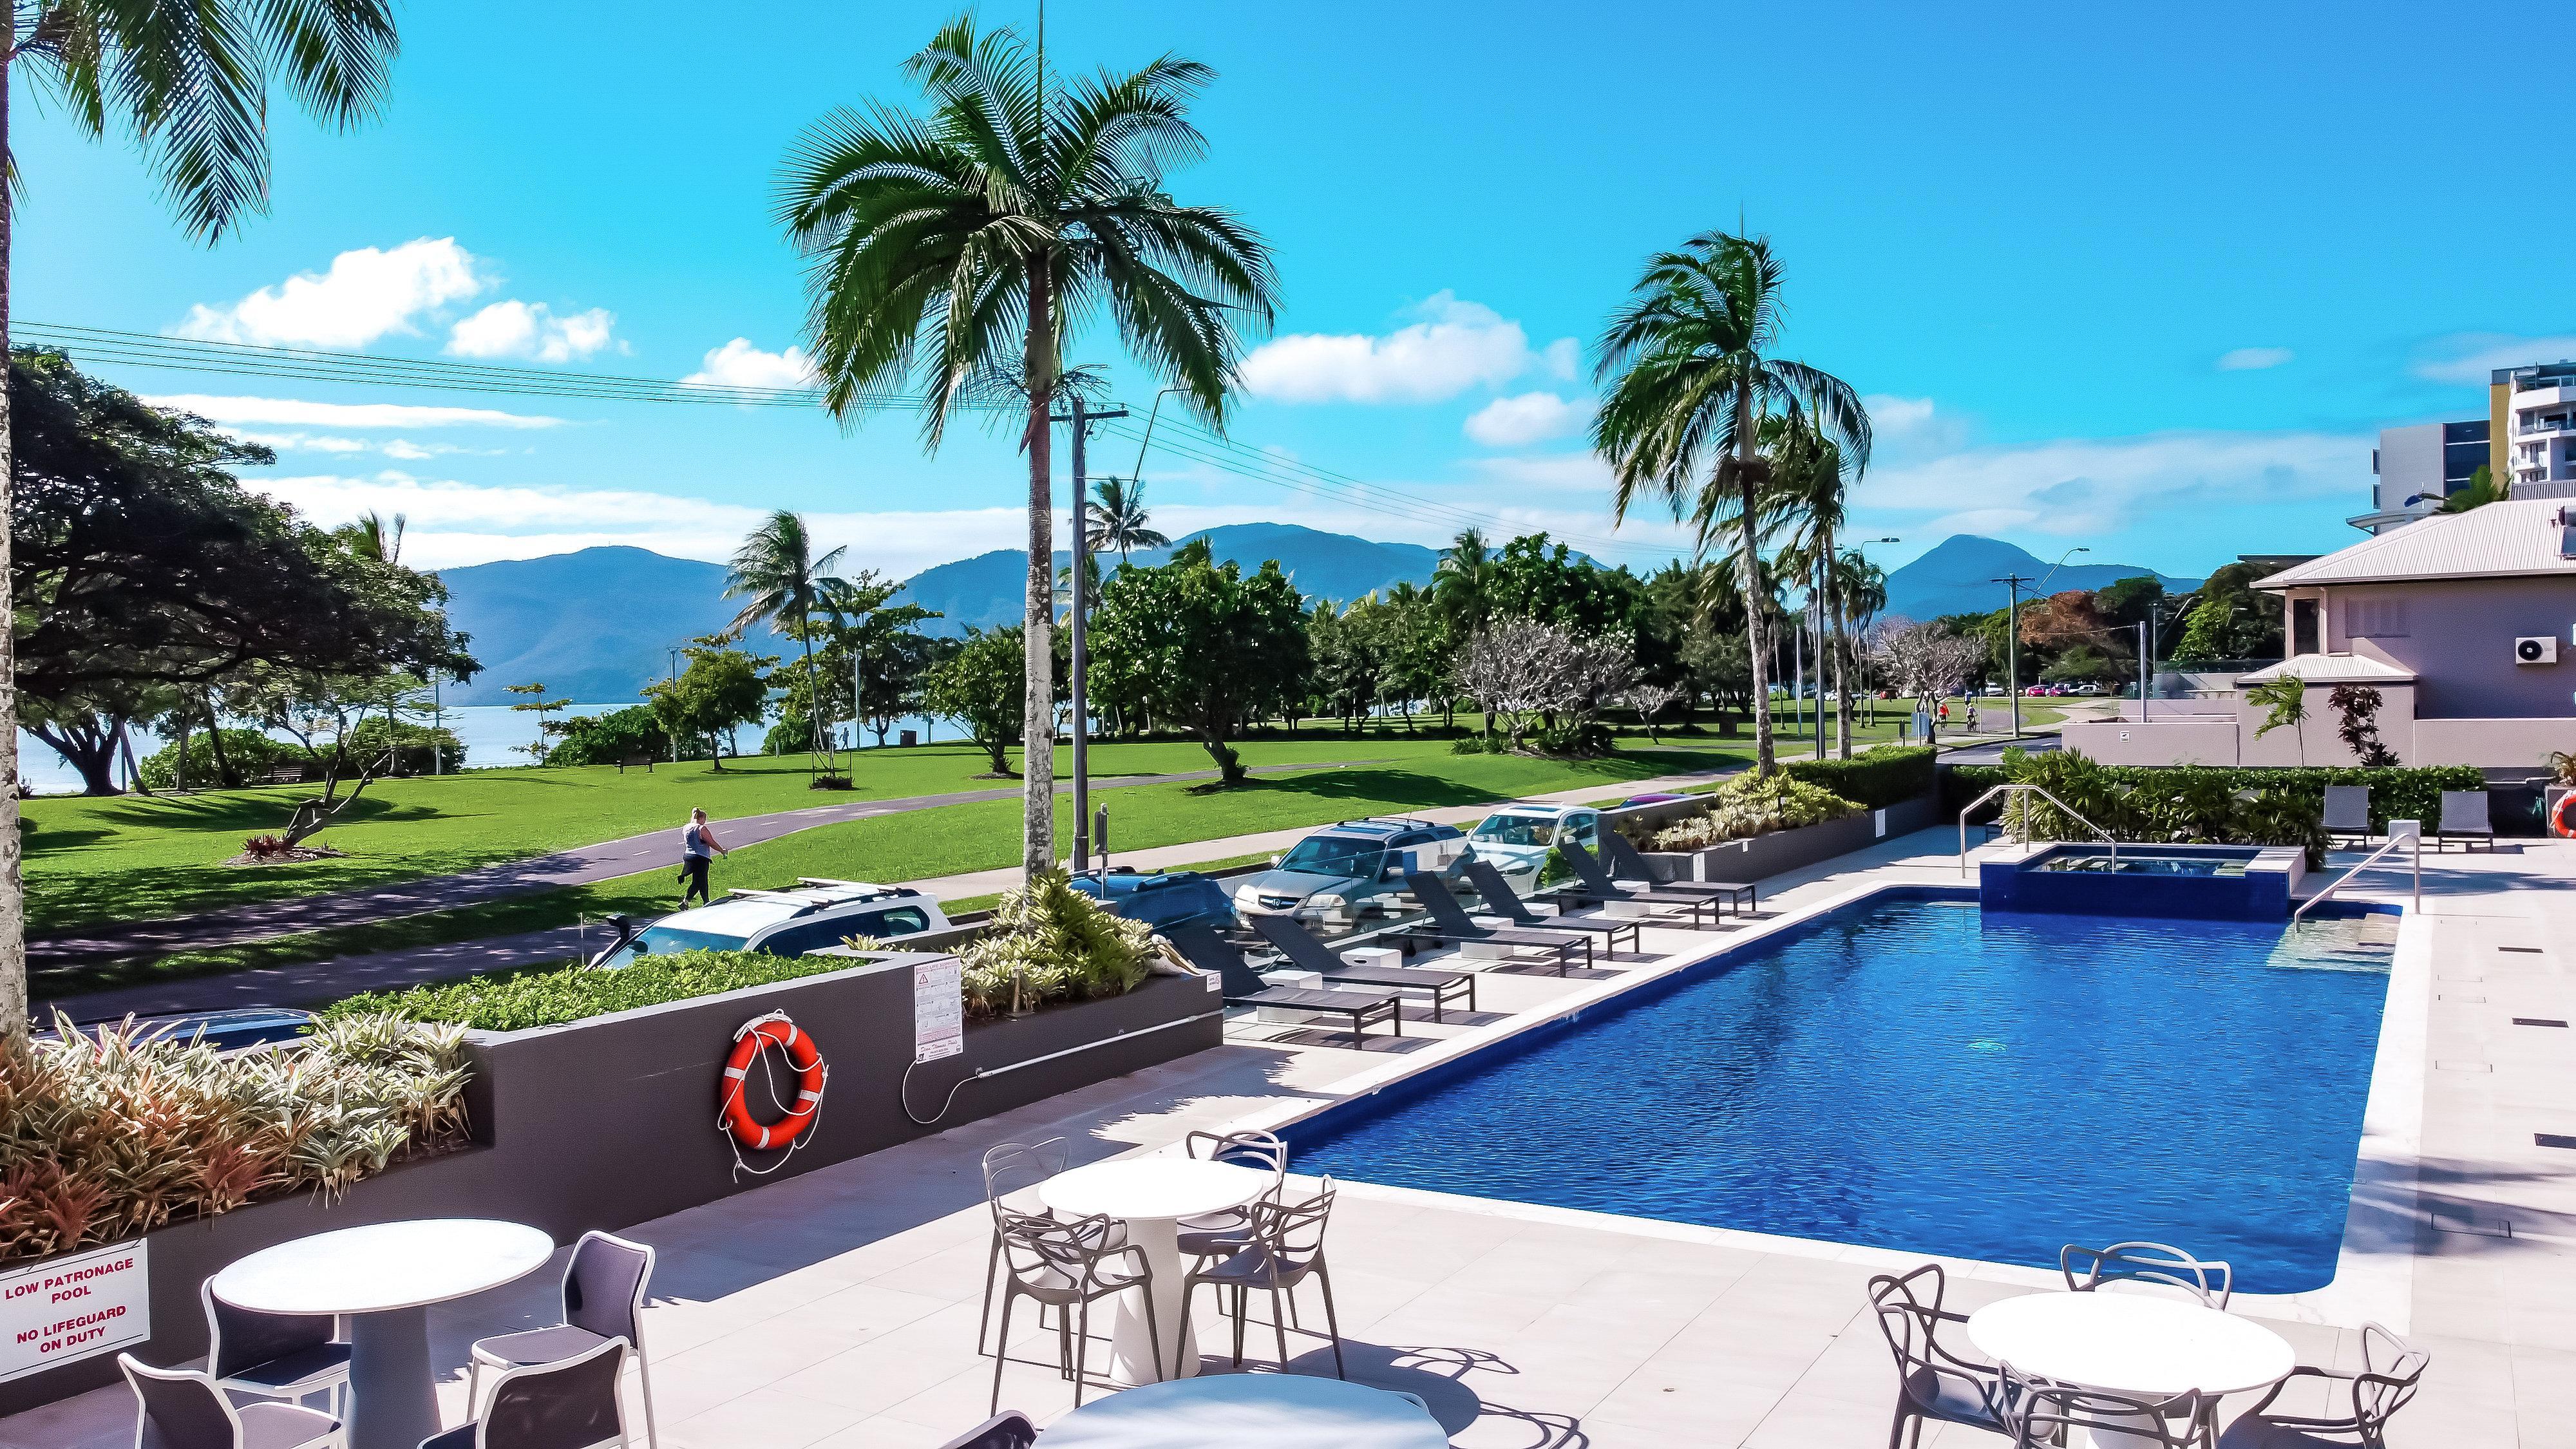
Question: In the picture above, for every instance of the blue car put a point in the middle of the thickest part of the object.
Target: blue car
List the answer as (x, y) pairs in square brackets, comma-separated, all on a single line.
[(1172, 898)]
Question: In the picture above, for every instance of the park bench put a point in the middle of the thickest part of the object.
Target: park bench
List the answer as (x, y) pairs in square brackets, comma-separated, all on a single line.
[(286, 775), (645, 760)]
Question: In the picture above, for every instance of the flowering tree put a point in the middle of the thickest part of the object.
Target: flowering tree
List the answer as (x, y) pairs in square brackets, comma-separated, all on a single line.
[(1527, 673), (1924, 660)]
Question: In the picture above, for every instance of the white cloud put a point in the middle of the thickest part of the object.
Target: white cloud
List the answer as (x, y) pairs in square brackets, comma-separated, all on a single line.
[(2475, 355), (1532, 417), (1563, 358), (1456, 346), (739, 364), (2080, 486), (295, 412), (365, 294), (305, 442), (530, 329), (2253, 359)]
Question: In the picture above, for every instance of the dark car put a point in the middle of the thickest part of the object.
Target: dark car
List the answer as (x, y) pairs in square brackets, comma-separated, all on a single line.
[(1171, 898), (229, 1031)]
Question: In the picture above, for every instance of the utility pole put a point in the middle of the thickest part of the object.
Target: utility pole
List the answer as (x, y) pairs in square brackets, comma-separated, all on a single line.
[(1080, 555), (2012, 642), (674, 652), (437, 722), (2146, 662)]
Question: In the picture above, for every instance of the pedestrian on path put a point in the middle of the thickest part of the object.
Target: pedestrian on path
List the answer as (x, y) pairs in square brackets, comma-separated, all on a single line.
[(695, 841), (1972, 717)]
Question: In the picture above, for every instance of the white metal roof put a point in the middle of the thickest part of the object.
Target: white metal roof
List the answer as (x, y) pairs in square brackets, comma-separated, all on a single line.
[(2331, 669), (2511, 539)]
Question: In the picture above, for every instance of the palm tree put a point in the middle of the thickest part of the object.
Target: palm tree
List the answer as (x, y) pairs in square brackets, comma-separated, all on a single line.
[(1118, 519), (1462, 581), (960, 248), (190, 83), (1808, 496), (784, 583), (1689, 375)]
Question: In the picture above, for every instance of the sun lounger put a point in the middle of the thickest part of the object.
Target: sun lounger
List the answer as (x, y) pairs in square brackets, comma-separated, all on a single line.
[(1627, 864), (1244, 987), (1451, 925), (2348, 813), (1594, 886), (1306, 953), (2464, 819), (1501, 900)]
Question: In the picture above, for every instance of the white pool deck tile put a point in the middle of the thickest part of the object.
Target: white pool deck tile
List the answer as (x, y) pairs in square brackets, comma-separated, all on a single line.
[(839, 1309)]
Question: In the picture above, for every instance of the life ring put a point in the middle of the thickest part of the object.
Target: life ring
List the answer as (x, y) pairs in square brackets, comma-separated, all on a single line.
[(2559, 823), (755, 1036)]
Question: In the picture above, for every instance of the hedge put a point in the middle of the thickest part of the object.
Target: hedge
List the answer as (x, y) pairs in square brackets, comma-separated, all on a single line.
[(1879, 778), (2397, 792), (516, 1001)]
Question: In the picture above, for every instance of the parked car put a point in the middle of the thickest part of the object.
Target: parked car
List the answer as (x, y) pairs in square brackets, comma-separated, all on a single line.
[(1657, 797), (1167, 898), (1354, 866), (236, 1030), (816, 914), (1516, 838)]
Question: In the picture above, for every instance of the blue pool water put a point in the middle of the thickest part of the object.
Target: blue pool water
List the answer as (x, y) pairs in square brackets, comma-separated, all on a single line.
[(1910, 1072)]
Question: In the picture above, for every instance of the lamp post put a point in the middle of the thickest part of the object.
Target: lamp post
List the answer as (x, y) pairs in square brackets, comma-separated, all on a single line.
[(1846, 643), (674, 652), (1081, 417)]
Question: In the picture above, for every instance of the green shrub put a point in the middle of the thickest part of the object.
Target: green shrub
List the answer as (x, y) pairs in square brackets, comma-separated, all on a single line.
[(251, 754), (1743, 805), (1049, 943), (605, 739), (551, 996), (1879, 778)]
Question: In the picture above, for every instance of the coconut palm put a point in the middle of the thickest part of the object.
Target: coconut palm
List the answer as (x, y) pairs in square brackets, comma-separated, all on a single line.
[(1689, 373), (1808, 497), (1462, 582), (1118, 519), (190, 83), (776, 573), (962, 247)]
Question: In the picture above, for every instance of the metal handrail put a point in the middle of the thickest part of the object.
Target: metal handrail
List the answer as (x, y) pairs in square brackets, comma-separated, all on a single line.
[(2414, 837), (2113, 840)]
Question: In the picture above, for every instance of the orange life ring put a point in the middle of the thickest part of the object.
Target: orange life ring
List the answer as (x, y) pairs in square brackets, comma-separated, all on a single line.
[(756, 1035), (2559, 824)]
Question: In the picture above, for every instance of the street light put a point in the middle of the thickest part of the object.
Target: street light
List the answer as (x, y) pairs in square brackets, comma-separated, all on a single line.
[(2053, 568), (674, 651)]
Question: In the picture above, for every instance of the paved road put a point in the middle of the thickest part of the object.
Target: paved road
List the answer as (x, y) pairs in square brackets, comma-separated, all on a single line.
[(604, 861)]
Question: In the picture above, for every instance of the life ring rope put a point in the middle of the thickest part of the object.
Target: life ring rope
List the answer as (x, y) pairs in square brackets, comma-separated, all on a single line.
[(751, 1042)]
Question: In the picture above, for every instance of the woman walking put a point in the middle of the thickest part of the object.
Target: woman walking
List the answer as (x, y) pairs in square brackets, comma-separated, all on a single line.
[(695, 841)]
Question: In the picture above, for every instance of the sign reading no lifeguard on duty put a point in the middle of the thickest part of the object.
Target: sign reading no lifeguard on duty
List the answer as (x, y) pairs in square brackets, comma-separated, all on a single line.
[(68, 1309), (938, 1009)]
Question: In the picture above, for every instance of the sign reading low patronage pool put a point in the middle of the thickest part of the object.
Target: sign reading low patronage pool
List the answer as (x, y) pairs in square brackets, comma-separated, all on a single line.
[(938, 1009), (68, 1309)]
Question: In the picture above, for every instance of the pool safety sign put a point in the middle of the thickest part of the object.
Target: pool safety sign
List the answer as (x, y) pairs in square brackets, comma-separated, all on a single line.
[(68, 1309), (938, 1009)]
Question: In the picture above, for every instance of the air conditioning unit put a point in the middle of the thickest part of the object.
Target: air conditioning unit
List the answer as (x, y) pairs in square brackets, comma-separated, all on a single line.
[(2536, 649)]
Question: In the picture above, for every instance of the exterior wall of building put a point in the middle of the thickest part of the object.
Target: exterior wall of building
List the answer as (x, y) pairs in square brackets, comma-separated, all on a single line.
[(2491, 743), (2456, 636), (2409, 462)]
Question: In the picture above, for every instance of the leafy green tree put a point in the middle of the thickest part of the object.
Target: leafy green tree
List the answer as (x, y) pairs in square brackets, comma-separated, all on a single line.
[(2127, 603), (1205, 647), (723, 688), (961, 249), (2230, 620), (1414, 652), (1531, 578), (779, 579), (620, 734), (979, 687), (1346, 664), (1689, 371), (190, 83), (541, 749)]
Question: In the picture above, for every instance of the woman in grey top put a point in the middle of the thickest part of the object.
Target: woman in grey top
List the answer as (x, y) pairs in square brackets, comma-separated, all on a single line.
[(695, 841)]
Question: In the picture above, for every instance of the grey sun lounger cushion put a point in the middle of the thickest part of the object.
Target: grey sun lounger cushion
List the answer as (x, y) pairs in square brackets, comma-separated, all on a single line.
[(1306, 953), (1595, 887), (2464, 817), (1627, 863), (1244, 987), (2348, 810), (1450, 923), (1503, 901)]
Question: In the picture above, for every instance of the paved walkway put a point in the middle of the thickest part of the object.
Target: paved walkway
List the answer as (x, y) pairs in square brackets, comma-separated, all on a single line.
[(580, 866), (838, 1310)]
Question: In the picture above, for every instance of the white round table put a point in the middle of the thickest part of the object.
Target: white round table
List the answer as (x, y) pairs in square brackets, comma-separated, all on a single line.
[(2130, 1343), (1151, 1195), (1249, 1411), (384, 1277)]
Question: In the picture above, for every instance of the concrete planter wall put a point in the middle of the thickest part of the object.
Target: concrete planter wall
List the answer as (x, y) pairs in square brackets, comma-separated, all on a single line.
[(1738, 862), (611, 1121)]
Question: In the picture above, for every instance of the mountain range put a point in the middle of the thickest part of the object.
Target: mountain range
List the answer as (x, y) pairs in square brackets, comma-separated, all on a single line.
[(594, 625)]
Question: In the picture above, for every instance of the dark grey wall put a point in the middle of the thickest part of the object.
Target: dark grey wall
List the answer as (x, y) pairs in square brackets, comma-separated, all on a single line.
[(609, 1122), (1762, 856)]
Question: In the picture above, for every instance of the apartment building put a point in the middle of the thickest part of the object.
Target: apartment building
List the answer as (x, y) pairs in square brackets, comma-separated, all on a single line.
[(2533, 420), (2418, 467)]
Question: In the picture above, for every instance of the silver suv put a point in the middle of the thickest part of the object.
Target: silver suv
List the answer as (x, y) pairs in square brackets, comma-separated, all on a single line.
[(817, 914), (1354, 866)]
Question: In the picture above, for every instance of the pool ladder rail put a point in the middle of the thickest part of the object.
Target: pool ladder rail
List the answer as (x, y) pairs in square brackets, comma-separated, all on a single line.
[(2400, 833), (2010, 789)]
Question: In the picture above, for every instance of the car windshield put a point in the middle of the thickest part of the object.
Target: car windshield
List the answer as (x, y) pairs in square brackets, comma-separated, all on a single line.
[(669, 940), (1517, 830), (1333, 855)]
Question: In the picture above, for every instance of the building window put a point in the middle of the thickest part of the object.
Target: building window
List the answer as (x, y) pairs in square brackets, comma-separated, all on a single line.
[(2375, 618), (2303, 626)]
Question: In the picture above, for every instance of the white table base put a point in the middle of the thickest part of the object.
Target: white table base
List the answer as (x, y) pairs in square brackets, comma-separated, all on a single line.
[(393, 1398), (1131, 1360)]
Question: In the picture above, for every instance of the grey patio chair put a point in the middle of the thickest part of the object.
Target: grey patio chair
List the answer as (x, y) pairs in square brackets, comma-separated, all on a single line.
[(1451, 925), (1628, 863), (1932, 1382), (1593, 886), (1068, 1266), (286, 1356), (183, 1409), (2464, 819), (2348, 813), (1287, 1249), (603, 1298), (2087, 1269), (1289, 936), (2391, 1371), (1230, 1231), (569, 1404), (1009, 1429), (1500, 899), (1012, 1172), (2043, 1413), (1243, 986)]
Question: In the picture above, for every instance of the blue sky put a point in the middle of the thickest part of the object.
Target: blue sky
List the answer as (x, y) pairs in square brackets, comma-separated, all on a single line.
[(2142, 281)]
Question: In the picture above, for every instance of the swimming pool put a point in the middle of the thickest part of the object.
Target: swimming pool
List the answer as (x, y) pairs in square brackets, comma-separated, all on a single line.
[(1909, 1072)]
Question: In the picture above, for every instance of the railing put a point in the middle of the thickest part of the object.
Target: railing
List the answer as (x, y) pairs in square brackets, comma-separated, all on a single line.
[(2069, 811), (2412, 834)]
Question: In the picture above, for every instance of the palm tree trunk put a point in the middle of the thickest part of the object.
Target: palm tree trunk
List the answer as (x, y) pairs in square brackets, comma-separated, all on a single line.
[(1037, 730), (13, 894), (1764, 761), (1842, 652), (813, 701)]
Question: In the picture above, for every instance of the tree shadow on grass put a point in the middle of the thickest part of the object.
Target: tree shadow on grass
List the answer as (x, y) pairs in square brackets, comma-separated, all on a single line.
[(1381, 786)]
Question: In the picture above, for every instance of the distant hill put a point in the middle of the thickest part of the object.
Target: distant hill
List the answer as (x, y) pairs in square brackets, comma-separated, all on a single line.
[(592, 626), (1958, 578)]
